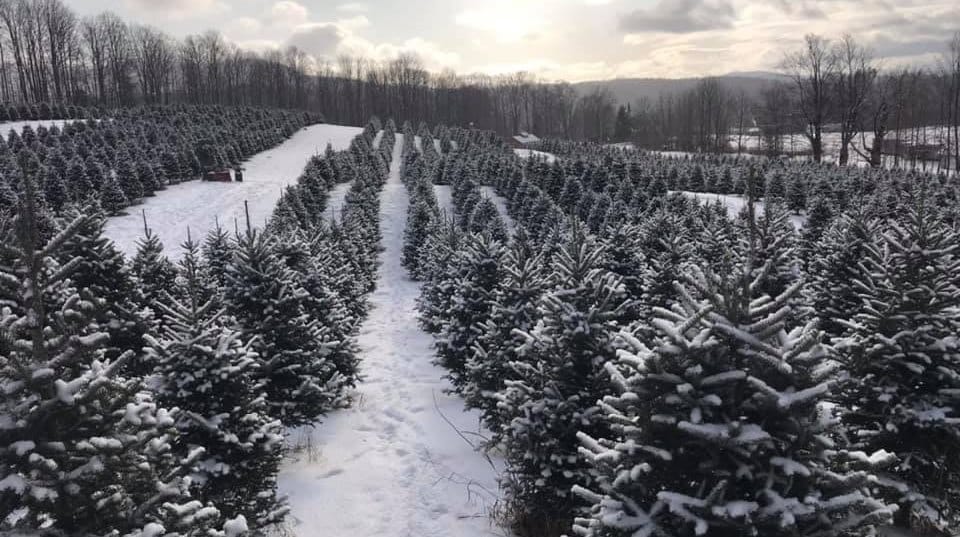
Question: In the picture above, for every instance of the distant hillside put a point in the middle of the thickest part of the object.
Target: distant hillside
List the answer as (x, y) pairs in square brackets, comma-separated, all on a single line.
[(629, 90)]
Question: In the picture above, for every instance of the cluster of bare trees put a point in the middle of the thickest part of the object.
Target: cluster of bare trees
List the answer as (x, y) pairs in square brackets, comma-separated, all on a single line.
[(698, 119), (840, 85), (828, 87), (49, 54)]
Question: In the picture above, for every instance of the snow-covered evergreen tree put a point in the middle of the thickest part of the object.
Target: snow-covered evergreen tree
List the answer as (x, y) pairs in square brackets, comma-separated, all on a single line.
[(478, 278), (513, 313), (85, 451), (155, 273), (902, 359), (721, 427), (440, 269), (834, 268), (269, 304), (559, 379), (202, 367), (419, 221)]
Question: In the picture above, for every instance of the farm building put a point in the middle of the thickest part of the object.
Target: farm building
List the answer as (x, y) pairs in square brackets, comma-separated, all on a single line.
[(523, 140)]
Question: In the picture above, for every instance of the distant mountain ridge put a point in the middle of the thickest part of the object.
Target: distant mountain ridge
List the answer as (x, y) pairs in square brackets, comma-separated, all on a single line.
[(630, 90)]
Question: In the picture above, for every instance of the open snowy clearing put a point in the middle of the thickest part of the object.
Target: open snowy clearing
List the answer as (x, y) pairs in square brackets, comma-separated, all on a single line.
[(7, 126), (527, 153), (398, 462), (199, 204), (735, 204)]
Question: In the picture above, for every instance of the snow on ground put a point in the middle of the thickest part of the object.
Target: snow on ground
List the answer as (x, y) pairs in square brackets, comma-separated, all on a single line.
[(735, 204), (798, 142), (418, 143), (335, 202), (392, 465), (444, 198), (501, 204), (527, 153), (339, 191), (196, 204), (7, 126)]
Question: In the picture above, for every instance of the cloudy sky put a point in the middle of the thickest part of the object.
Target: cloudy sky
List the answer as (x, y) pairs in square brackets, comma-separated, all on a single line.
[(560, 39)]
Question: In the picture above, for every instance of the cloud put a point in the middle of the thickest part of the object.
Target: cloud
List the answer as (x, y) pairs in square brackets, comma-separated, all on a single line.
[(680, 16), (318, 39), (508, 22), (242, 27), (287, 13), (354, 7), (327, 40), (178, 9)]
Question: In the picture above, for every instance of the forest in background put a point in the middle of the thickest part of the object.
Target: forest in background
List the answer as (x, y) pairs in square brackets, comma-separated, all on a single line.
[(50, 54)]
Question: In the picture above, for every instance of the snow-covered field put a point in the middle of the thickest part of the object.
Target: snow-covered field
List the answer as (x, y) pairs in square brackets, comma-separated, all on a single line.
[(197, 205), (831, 145), (735, 204), (7, 126), (527, 153), (396, 463)]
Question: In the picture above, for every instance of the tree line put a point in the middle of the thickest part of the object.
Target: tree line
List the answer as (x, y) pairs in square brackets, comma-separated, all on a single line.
[(827, 86), (48, 54)]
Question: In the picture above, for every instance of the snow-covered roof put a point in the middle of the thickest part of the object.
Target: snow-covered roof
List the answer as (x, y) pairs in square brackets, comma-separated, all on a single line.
[(526, 138)]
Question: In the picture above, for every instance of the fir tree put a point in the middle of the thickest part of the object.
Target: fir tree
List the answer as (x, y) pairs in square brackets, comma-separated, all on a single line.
[(901, 355), (112, 197), (834, 269), (513, 312), (202, 367), (415, 235), (87, 451), (100, 269), (559, 378), (268, 302), (479, 276), (719, 428), (155, 273), (486, 219)]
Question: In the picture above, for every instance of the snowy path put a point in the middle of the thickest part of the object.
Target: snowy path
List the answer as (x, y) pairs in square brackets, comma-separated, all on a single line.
[(735, 204), (501, 204), (196, 204), (444, 198), (391, 465), (338, 195)]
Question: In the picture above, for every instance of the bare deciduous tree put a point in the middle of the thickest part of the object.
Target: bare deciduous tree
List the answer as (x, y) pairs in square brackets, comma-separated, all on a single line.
[(812, 70)]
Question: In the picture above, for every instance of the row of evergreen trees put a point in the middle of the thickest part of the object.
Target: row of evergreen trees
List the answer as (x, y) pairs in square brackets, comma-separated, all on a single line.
[(44, 111), (803, 186), (119, 159), (148, 398), (648, 365)]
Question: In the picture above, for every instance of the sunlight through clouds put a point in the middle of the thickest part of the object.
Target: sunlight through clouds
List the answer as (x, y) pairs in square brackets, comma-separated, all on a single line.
[(567, 39), (506, 21)]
